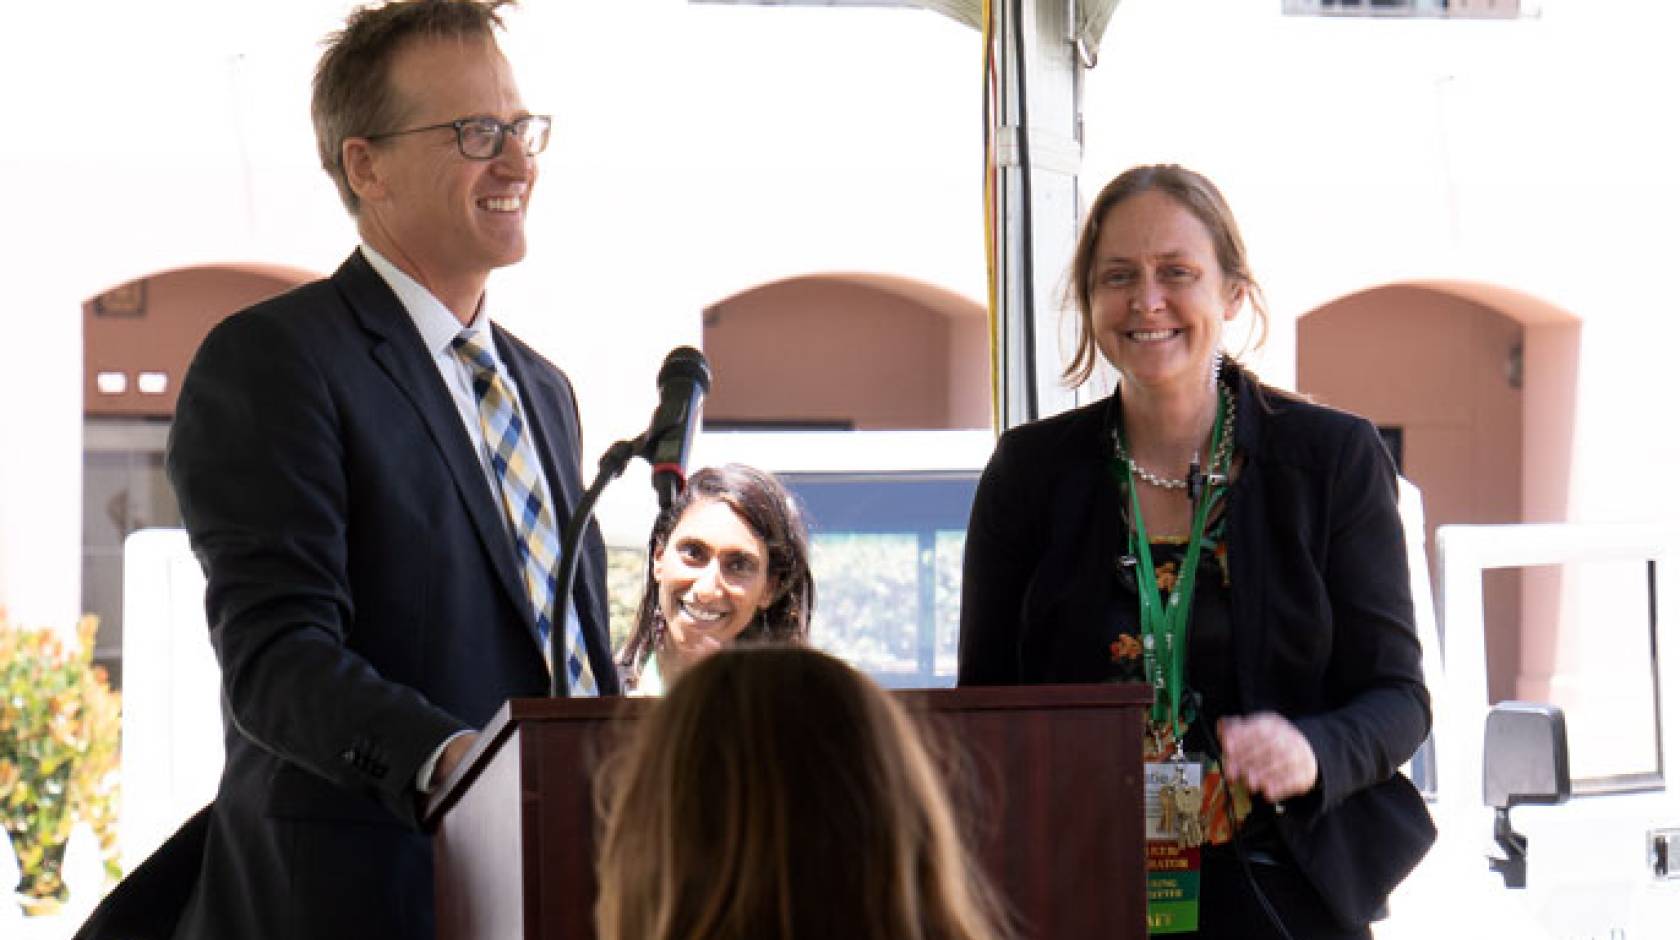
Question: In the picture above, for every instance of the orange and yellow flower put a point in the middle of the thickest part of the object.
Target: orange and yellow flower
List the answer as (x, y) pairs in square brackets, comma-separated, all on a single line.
[(1125, 648)]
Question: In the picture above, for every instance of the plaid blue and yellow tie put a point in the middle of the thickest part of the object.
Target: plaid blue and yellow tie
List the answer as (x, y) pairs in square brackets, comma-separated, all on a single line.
[(514, 458)]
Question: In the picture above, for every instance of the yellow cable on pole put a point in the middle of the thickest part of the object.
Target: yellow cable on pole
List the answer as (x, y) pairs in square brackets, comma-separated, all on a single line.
[(989, 106)]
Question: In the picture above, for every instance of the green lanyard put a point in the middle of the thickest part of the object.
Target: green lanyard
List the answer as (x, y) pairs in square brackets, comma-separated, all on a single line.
[(1163, 626)]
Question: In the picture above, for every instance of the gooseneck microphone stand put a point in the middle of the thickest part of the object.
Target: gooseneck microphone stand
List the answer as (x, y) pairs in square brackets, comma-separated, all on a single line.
[(611, 467), (683, 381)]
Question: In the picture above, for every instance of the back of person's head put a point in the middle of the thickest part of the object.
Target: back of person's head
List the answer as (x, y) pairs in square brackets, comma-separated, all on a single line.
[(776, 792), (352, 94), (770, 511)]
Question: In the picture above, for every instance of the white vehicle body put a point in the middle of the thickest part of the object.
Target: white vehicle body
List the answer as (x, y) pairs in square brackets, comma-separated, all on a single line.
[(1590, 862)]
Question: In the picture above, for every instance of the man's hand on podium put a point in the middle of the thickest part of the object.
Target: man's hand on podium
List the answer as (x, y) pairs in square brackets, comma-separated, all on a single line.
[(453, 752)]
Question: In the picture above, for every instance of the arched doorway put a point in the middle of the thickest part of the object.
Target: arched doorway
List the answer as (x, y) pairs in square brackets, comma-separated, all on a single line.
[(883, 384), (852, 351), (138, 339), (1474, 386)]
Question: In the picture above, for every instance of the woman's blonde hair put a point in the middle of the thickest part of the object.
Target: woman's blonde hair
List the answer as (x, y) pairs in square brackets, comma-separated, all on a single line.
[(1197, 194), (776, 792)]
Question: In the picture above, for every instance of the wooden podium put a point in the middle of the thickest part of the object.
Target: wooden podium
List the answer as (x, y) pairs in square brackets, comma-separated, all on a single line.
[(1049, 781)]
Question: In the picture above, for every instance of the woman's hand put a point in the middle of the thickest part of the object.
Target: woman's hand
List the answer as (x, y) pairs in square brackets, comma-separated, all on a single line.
[(1268, 754)]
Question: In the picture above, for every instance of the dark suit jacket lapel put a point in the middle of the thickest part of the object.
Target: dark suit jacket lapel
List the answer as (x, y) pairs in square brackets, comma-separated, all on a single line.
[(549, 412), (399, 351)]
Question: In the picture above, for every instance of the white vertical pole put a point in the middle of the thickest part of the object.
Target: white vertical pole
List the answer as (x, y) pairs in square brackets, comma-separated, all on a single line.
[(1038, 160)]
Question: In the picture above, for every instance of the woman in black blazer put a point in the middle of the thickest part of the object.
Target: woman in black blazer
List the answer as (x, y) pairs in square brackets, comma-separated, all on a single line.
[(1275, 617)]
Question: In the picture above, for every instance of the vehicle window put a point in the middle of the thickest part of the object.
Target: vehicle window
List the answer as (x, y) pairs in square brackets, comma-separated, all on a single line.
[(1605, 625)]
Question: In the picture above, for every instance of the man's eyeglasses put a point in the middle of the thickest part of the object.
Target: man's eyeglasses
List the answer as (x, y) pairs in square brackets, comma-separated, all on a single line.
[(480, 138)]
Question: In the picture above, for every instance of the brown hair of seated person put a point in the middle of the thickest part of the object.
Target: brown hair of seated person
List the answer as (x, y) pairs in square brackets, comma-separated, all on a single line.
[(776, 792)]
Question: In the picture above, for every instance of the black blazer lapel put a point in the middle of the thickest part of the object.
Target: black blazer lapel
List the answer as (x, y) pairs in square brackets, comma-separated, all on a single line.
[(1250, 562), (399, 351), (551, 411)]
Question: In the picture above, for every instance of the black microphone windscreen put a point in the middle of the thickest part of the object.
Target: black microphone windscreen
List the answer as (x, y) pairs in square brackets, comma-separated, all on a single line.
[(686, 363)]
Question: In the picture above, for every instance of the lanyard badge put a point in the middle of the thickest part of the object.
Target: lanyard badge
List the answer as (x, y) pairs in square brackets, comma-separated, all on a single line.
[(1173, 838), (1173, 783)]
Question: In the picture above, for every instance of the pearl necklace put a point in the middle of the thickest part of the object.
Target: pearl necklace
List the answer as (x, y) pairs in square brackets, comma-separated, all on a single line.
[(1221, 460)]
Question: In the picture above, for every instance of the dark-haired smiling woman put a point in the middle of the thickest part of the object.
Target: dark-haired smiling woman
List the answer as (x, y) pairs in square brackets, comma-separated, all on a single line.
[(728, 560), (1237, 548)]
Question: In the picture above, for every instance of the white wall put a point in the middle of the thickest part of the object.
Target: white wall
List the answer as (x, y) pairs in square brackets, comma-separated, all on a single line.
[(702, 149), (699, 151), (128, 151), (1535, 154)]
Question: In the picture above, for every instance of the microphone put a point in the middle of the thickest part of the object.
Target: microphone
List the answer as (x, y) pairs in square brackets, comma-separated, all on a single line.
[(684, 380)]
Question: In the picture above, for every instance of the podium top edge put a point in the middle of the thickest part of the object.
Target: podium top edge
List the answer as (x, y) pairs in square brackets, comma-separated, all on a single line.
[(967, 698), (1040, 697), (517, 711)]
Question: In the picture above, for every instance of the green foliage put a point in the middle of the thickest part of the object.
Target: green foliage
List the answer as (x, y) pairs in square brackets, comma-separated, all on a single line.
[(626, 569), (870, 608), (60, 728)]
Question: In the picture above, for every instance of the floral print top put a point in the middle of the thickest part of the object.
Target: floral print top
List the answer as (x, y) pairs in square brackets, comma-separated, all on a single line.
[(1210, 668)]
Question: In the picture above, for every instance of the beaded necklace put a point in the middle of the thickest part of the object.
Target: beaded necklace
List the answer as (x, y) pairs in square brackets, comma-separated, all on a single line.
[(1162, 626)]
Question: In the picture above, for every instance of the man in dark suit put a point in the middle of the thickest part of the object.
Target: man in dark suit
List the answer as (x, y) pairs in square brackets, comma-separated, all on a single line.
[(373, 476)]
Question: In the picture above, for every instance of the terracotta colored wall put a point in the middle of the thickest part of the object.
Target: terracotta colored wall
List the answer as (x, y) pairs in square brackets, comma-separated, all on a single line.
[(179, 308), (969, 382), (1552, 351), (827, 349), (1436, 366)]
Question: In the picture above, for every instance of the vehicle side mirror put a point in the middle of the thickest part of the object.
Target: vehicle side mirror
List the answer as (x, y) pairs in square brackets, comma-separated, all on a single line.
[(1525, 756), (1525, 759)]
